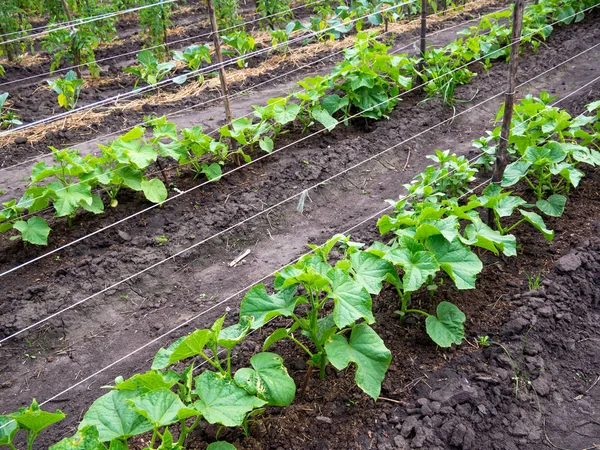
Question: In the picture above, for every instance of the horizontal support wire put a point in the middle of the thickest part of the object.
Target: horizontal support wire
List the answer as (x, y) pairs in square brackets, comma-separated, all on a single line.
[(171, 43), (235, 169), (170, 81), (85, 20), (242, 291), (244, 91), (279, 204)]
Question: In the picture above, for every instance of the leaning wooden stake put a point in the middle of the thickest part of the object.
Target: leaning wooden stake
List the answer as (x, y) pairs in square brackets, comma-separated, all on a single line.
[(74, 47), (502, 152), (223, 79)]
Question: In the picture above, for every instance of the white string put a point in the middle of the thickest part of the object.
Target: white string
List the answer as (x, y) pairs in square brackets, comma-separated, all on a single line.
[(58, 249), (239, 93), (86, 20), (210, 68), (171, 43)]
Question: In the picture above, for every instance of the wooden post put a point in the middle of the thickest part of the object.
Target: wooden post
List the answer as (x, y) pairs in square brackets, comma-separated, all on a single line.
[(222, 78), (423, 32), (74, 48), (502, 152)]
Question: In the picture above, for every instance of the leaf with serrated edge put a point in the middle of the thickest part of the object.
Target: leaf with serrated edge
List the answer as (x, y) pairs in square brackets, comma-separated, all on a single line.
[(222, 401), (351, 301), (554, 206), (268, 380), (258, 304), (160, 407), (114, 418), (191, 345), (370, 270), (367, 351), (460, 263), (34, 231)]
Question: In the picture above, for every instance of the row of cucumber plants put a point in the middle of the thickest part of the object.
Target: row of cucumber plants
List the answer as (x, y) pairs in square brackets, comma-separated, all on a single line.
[(329, 298), (366, 83)]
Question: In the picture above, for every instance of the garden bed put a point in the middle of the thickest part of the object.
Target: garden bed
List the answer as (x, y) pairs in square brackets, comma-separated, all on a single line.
[(100, 331)]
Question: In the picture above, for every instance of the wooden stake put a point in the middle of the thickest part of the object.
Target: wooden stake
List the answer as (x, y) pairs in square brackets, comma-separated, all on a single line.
[(423, 26), (222, 78), (74, 48), (502, 152)]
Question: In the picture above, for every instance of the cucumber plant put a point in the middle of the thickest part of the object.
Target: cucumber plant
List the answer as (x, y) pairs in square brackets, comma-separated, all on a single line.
[(8, 117), (68, 89), (149, 69), (328, 302)]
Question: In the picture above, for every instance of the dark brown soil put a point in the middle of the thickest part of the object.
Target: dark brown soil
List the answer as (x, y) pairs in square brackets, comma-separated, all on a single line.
[(334, 413)]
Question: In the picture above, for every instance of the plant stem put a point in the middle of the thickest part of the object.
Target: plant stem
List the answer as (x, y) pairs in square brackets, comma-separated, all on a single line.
[(229, 361), (301, 345), (417, 311), (509, 229), (153, 439)]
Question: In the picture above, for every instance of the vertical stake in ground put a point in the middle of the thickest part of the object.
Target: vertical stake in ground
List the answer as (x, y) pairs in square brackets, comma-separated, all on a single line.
[(423, 32), (74, 47), (222, 78), (502, 152)]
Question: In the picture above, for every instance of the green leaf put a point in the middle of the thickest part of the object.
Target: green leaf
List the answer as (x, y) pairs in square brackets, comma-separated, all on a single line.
[(222, 401), (86, 439), (554, 206), (460, 263), (351, 301), (183, 348), (258, 304), (145, 382), (160, 407), (132, 178), (514, 172), (266, 144), (34, 231), (278, 335), (538, 223), (370, 270), (231, 336), (154, 190), (220, 445), (113, 417), (70, 198), (268, 380), (367, 351), (8, 429), (481, 235), (416, 263), (213, 171), (447, 328), (284, 114), (35, 419), (96, 207), (324, 118)]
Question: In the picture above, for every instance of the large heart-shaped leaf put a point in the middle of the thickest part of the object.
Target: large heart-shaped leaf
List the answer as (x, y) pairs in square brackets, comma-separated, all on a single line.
[(514, 172), (417, 264), (554, 206), (114, 418), (447, 328), (351, 301), (154, 190), (161, 407), (263, 307), (222, 401), (324, 118), (70, 198), (35, 230), (145, 382), (370, 270), (268, 380), (367, 351), (220, 445), (460, 263)]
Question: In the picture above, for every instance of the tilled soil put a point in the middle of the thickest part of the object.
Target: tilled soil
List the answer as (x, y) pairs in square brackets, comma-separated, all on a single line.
[(101, 330)]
